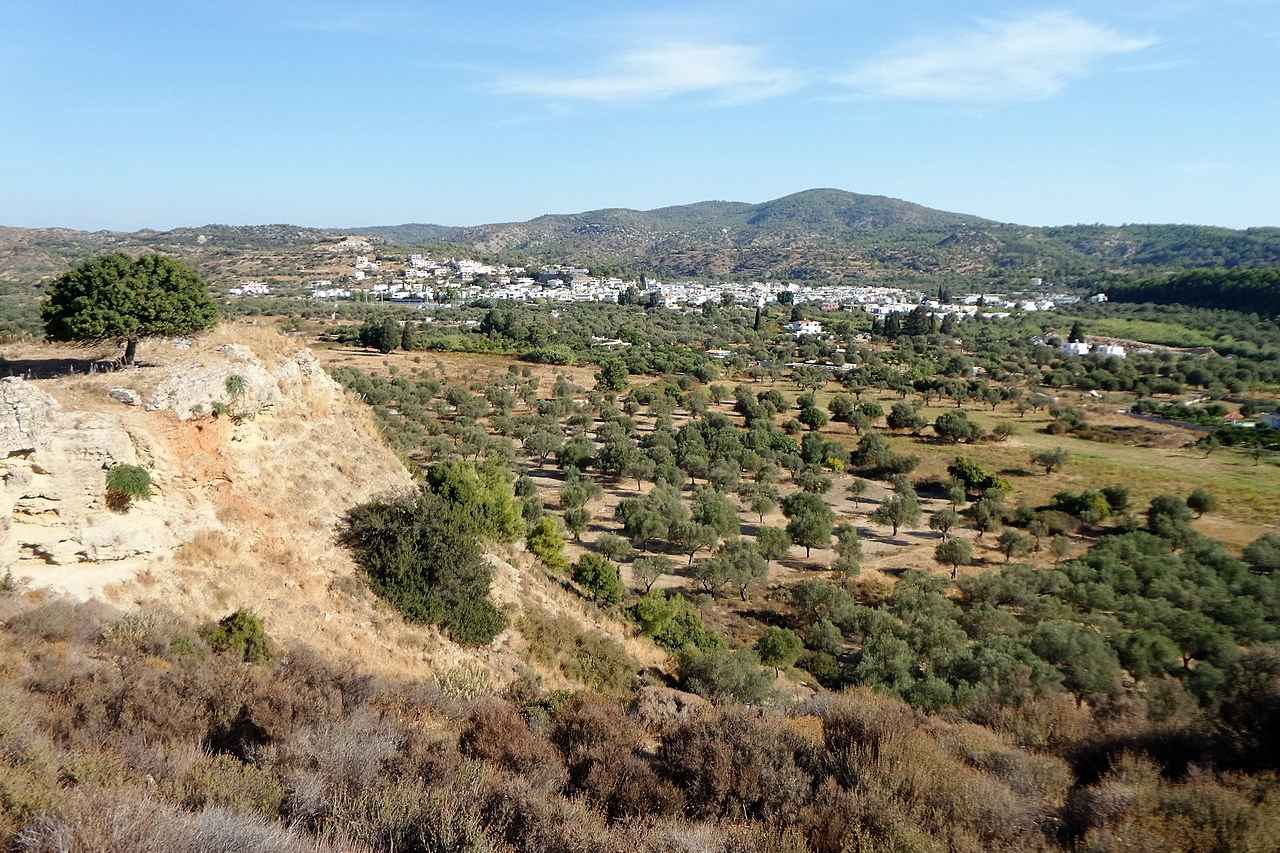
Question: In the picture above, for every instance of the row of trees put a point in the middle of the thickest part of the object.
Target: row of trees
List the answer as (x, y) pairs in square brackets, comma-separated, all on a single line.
[(1256, 291)]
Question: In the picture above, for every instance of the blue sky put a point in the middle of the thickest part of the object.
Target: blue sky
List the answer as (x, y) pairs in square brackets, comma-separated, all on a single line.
[(149, 114)]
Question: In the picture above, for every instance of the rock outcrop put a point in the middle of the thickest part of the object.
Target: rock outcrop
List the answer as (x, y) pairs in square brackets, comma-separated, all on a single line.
[(238, 379), (255, 454), (53, 509), (56, 527)]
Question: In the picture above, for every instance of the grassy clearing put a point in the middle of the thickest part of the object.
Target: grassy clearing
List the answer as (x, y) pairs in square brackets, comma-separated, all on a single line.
[(1248, 494), (1151, 332)]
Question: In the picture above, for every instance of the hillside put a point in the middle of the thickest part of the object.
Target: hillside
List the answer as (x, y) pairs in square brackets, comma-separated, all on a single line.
[(818, 234), (830, 232), (245, 506), (827, 212), (777, 237)]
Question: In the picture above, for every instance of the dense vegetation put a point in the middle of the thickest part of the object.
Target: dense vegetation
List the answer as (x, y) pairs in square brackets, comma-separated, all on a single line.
[(131, 733), (815, 234), (1256, 291), (422, 552), (1133, 607)]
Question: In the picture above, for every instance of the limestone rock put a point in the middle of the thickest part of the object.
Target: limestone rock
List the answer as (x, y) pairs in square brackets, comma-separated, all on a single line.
[(24, 414), (53, 464), (58, 442), (194, 386), (126, 395)]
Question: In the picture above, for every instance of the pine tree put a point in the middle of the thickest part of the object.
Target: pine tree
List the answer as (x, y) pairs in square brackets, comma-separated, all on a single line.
[(118, 298)]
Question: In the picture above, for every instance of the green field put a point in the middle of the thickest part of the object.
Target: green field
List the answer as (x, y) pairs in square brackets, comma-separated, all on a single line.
[(1151, 332)]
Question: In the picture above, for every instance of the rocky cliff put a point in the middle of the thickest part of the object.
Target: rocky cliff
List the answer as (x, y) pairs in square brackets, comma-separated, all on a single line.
[(254, 454)]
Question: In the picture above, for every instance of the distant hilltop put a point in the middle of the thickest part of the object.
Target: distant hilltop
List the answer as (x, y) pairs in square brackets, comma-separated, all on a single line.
[(817, 234)]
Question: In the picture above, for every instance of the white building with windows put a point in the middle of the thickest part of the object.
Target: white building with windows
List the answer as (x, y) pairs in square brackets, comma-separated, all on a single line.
[(251, 288), (805, 328)]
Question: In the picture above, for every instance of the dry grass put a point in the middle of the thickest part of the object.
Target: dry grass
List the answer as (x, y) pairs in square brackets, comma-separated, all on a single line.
[(208, 548)]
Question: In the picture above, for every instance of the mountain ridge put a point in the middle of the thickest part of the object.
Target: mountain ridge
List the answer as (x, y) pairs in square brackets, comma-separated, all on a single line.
[(815, 234), (820, 208)]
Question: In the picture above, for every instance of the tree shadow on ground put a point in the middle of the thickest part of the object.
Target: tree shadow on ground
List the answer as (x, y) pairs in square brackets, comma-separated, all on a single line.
[(895, 571), (800, 565), (887, 538), (767, 617), (52, 368)]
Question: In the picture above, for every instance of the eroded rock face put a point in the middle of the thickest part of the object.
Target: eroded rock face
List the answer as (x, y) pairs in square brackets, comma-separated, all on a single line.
[(237, 379), (56, 527), (24, 415), (53, 465)]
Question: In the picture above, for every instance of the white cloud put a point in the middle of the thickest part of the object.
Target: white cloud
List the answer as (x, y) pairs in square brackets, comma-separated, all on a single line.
[(734, 73), (1163, 65), (1024, 59)]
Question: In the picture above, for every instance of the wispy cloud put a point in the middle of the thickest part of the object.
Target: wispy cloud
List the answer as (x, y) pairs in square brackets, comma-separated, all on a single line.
[(1023, 59), (1151, 67), (732, 73)]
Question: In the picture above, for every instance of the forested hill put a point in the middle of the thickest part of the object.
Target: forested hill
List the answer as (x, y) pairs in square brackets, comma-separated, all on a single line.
[(1253, 290), (826, 233), (825, 212)]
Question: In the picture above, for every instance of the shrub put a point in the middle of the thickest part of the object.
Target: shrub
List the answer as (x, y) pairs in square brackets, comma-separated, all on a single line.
[(546, 542), (242, 635), (735, 767), (672, 622), (585, 656), (1263, 553), (422, 554), (126, 821), (599, 662), (235, 385), (474, 622), (222, 780), (1201, 501), (482, 496), (600, 745), (824, 667), (494, 732), (64, 620), (975, 479), (724, 675), (599, 577), (126, 484), (554, 354)]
